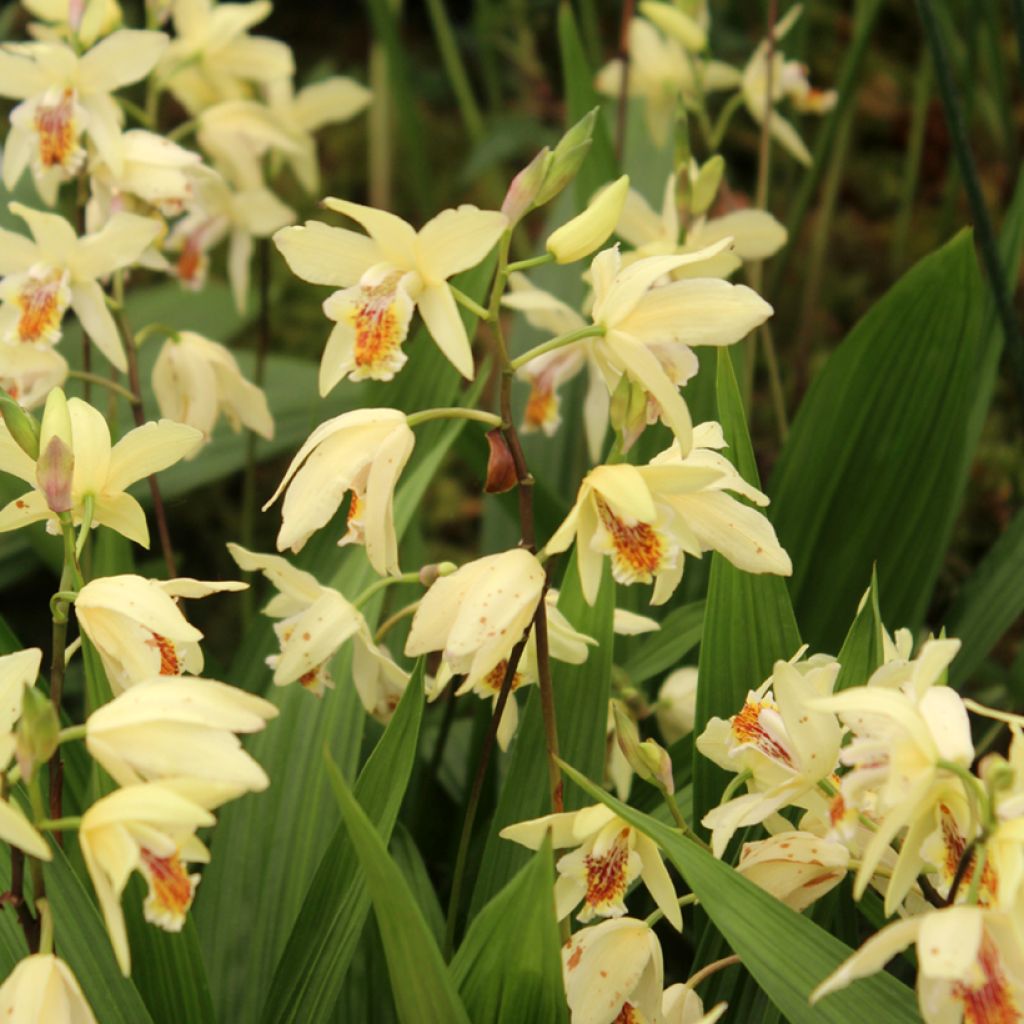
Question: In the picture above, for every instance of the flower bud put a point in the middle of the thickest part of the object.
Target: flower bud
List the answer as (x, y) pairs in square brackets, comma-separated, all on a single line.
[(590, 229), (37, 732), (675, 24), (526, 185), (677, 704), (567, 158), (648, 758), (501, 467), (22, 425), (628, 411), (705, 183), (56, 462), (429, 574)]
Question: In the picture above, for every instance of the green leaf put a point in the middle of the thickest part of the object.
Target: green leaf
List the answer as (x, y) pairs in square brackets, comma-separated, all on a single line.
[(659, 652), (423, 989), (748, 620), (862, 651), (874, 468), (785, 952), (581, 712), (314, 963), (510, 975)]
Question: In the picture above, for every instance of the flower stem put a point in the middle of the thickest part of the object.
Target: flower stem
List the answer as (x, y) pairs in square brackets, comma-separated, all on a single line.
[(705, 972), (533, 261), (46, 926), (103, 382), (392, 620), (55, 824), (471, 304), (684, 901), (387, 581), (590, 331), (453, 412), (71, 732)]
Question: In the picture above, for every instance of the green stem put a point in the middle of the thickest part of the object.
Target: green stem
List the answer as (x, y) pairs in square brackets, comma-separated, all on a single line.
[(456, 70), (722, 121), (136, 111), (734, 785), (387, 581), (590, 331), (534, 261), (471, 304), (392, 620), (72, 732), (103, 382), (55, 824), (681, 823), (684, 901), (453, 412), (182, 130), (974, 886), (88, 511), (46, 925)]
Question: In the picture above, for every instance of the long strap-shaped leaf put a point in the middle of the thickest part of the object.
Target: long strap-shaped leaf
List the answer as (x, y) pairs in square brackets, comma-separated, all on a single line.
[(423, 989), (785, 952), (313, 966)]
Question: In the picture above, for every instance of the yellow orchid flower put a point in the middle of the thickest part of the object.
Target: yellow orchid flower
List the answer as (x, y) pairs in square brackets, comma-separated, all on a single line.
[(65, 95), (28, 373), (55, 269), (138, 629), (148, 828), (613, 971), (173, 727), (73, 19), (676, 708), (212, 56), (17, 671), (681, 1005), (362, 452), (101, 472), (607, 856), (383, 277), (195, 379), (797, 868), (43, 988)]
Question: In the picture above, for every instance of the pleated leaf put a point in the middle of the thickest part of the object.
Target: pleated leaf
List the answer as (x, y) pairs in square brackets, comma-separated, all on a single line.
[(862, 651)]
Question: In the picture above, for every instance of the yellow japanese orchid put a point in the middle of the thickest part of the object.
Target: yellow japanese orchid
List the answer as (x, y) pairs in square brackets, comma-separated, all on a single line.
[(676, 708), (213, 57), (73, 19), (148, 828), (55, 269), (65, 95), (681, 1005), (172, 727), (797, 868), (101, 472), (315, 621), (138, 629), (361, 453), (17, 671), (648, 330), (606, 856), (195, 380), (384, 276), (42, 988), (29, 373)]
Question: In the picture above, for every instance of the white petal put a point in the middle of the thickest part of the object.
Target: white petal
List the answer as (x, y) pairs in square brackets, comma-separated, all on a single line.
[(456, 240)]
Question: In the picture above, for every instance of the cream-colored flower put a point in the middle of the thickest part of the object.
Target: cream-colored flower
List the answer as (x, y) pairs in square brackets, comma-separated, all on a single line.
[(137, 628), (648, 518), (64, 95), (607, 856), (81, 20), (148, 828), (43, 990), (780, 737), (315, 621), (676, 708), (101, 472), (195, 380), (795, 867), (649, 331), (17, 671), (28, 373), (589, 230), (55, 269), (970, 964), (361, 453), (613, 971), (681, 1005), (241, 211), (383, 277), (213, 57), (174, 727)]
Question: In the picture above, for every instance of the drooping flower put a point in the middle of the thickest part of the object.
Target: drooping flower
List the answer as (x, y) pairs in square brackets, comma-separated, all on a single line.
[(681, 1005), (384, 276), (361, 453), (780, 737), (795, 867), (65, 95), (101, 472), (649, 331), (213, 57), (606, 856), (648, 518), (173, 727), (56, 269), (613, 971), (676, 708), (195, 380), (138, 629), (970, 964), (28, 373), (315, 621), (43, 990), (148, 828)]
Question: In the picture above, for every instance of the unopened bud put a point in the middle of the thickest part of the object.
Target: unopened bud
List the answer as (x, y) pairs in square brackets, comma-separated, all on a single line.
[(677, 704), (647, 758), (430, 574), (589, 230), (675, 24), (37, 732), (22, 425), (501, 467), (567, 158), (705, 183), (526, 185), (56, 462), (628, 411)]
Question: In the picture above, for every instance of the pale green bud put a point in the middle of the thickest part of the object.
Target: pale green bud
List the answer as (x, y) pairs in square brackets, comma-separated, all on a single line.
[(647, 758), (526, 185), (567, 158), (38, 732), (22, 425), (589, 230), (56, 462), (704, 186)]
